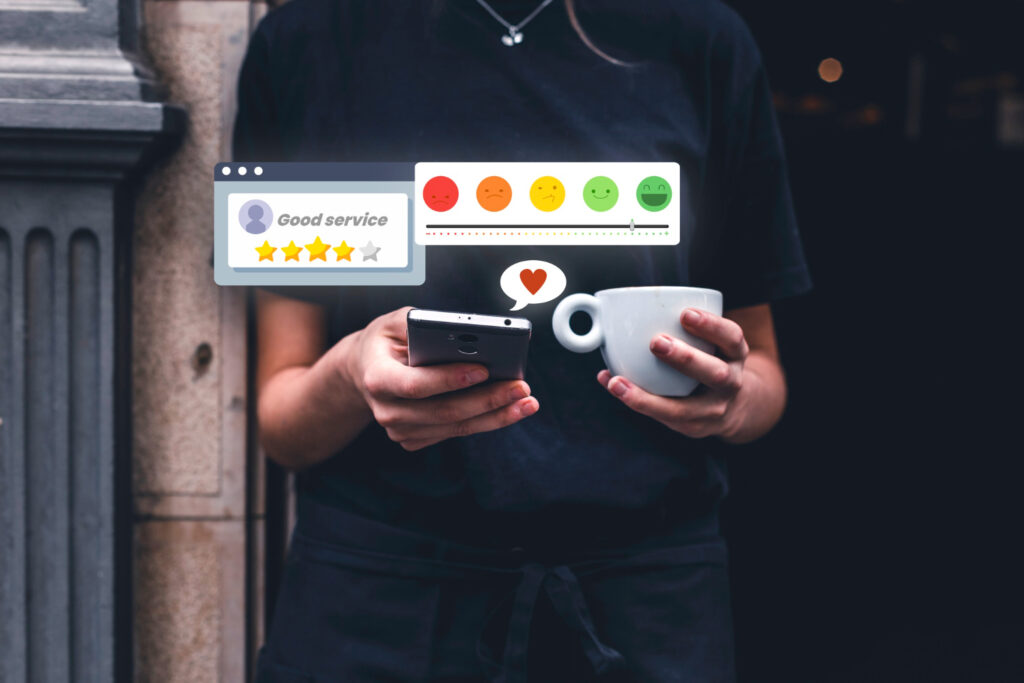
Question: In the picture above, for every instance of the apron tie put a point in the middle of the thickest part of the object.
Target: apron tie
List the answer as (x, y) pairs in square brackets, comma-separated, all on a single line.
[(563, 588)]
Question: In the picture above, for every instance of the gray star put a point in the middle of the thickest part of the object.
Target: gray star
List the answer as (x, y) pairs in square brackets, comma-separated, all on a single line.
[(369, 252)]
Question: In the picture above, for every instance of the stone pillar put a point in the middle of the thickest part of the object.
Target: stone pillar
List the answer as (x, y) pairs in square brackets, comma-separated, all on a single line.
[(78, 120), (197, 529)]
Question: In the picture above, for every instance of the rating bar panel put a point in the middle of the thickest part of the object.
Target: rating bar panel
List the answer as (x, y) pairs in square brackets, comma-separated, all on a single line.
[(564, 203)]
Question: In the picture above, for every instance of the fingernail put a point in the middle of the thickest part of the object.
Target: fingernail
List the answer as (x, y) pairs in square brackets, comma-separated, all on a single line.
[(661, 345), (475, 376), (620, 387), (517, 393), (691, 317), (528, 408)]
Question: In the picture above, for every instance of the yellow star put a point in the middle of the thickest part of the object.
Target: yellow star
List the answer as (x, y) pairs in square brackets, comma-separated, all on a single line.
[(266, 252), (344, 251), (291, 252), (318, 250)]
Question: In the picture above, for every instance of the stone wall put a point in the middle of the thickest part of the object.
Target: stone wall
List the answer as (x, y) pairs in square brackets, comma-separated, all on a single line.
[(197, 493)]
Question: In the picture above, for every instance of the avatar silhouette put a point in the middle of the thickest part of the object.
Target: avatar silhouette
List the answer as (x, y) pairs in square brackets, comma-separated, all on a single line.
[(255, 226), (255, 216)]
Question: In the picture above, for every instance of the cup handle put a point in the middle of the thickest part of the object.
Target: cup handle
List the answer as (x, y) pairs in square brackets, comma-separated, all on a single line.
[(580, 343)]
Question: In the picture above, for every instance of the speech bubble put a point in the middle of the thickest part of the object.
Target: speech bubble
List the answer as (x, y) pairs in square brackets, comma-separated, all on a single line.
[(532, 282)]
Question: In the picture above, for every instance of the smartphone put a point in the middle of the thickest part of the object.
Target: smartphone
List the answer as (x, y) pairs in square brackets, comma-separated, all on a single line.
[(498, 342)]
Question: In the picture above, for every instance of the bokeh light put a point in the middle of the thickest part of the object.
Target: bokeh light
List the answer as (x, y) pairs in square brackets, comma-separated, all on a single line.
[(830, 70)]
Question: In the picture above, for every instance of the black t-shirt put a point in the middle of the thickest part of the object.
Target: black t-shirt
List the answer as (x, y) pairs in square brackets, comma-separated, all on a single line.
[(332, 80)]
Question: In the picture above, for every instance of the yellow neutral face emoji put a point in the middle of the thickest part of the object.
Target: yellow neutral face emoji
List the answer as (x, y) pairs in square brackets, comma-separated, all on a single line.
[(547, 193)]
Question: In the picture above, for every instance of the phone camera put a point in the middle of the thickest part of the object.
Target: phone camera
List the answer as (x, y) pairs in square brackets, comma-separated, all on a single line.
[(507, 321)]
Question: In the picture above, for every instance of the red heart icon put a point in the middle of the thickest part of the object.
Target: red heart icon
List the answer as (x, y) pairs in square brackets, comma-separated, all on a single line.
[(533, 280)]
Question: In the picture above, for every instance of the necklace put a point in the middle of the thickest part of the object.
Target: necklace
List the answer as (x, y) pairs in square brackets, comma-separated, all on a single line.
[(514, 35)]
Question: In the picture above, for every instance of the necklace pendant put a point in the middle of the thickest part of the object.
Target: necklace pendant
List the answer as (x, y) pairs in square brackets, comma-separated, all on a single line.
[(513, 37)]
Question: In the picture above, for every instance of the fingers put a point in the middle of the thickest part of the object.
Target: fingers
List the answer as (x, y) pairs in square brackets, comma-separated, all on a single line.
[(420, 406), (496, 419), (396, 380), (693, 416), (726, 334), (419, 422), (660, 407), (692, 362), (451, 408)]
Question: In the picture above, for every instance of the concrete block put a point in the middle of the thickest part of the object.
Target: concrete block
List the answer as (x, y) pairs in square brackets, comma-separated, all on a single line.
[(189, 611)]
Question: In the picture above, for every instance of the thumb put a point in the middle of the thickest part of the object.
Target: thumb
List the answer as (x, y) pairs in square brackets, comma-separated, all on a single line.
[(395, 325)]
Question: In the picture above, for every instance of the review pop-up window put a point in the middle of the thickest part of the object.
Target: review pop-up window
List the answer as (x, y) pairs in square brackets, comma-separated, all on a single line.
[(315, 224)]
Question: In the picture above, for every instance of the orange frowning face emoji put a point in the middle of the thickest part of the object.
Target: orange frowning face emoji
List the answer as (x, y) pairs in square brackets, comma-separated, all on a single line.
[(494, 193)]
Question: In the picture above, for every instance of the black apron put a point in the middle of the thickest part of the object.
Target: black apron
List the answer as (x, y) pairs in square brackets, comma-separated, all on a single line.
[(364, 601)]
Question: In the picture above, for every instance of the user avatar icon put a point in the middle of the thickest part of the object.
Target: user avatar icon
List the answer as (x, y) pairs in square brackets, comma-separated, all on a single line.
[(255, 216)]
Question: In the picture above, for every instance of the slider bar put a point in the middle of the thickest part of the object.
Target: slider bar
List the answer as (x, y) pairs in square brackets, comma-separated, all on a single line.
[(534, 226)]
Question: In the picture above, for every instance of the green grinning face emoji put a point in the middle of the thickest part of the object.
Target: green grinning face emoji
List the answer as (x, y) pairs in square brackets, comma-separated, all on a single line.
[(600, 193), (653, 193)]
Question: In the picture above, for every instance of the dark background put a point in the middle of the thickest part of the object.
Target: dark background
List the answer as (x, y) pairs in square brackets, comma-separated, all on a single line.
[(876, 534)]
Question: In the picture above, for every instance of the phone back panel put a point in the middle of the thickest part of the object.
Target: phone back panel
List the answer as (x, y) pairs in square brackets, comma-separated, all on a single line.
[(502, 351)]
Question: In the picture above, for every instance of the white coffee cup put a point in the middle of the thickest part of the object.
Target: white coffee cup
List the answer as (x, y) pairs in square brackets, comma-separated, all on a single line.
[(624, 321)]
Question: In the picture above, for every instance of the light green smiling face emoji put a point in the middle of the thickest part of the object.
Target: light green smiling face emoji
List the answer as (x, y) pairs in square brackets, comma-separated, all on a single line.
[(600, 193), (653, 193)]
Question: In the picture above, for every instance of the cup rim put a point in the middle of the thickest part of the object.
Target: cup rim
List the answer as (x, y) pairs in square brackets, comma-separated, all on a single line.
[(705, 290)]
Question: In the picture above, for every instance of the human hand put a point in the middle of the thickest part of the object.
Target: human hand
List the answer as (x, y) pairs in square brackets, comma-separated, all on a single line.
[(720, 409), (421, 406)]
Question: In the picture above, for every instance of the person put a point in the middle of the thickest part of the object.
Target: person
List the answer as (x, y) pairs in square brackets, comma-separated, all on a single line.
[(561, 528)]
